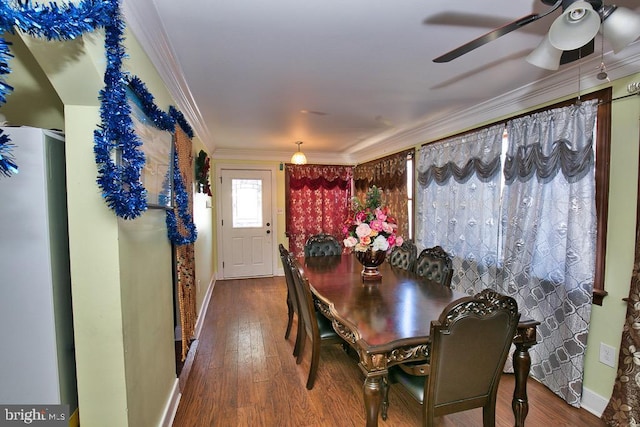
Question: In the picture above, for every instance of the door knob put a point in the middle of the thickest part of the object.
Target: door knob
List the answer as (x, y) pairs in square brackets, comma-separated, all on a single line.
[(268, 231)]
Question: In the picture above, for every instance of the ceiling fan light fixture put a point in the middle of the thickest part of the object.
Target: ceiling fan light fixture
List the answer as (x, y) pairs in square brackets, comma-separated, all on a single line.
[(577, 26), (545, 56), (298, 157), (620, 26)]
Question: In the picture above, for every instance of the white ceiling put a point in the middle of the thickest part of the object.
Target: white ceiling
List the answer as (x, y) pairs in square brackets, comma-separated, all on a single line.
[(351, 79)]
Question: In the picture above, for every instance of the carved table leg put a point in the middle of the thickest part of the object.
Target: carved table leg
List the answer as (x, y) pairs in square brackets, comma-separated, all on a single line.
[(525, 338), (372, 397)]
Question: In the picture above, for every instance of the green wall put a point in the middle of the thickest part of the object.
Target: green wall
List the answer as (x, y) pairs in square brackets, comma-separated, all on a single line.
[(607, 321)]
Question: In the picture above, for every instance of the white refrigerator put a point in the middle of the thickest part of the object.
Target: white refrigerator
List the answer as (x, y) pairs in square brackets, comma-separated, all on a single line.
[(37, 360)]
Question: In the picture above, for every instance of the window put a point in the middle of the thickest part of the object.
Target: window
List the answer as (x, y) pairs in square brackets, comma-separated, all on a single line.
[(410, 211)]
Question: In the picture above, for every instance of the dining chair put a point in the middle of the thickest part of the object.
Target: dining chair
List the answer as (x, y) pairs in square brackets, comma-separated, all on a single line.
[(435, 264), (292, 300), (322, 244), (469, 345), (403, 256), (316, 327)]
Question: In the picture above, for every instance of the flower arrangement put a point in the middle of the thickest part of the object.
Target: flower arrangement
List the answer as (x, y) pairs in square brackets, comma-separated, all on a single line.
[(370, 226)]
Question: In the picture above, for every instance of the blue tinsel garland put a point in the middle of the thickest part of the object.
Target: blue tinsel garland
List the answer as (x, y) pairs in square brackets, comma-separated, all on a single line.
[(182, 201), (4, 69), (179, 118), (7, 164), (121, 185)]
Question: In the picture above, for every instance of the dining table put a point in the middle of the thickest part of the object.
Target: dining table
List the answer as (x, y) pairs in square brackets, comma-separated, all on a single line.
[(387, 322)]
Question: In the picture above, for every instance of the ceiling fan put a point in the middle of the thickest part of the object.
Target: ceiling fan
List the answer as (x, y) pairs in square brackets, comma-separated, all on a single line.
[(571, 35)]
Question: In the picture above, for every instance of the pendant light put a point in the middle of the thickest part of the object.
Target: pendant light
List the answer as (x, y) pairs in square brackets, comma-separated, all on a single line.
[(298, 157)]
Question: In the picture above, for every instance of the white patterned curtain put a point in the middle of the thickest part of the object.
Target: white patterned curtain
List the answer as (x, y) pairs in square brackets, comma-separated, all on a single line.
[(458, 204), (549, 237)]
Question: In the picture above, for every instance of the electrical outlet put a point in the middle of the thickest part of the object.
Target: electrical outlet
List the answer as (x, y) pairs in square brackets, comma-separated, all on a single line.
[(608, 355)]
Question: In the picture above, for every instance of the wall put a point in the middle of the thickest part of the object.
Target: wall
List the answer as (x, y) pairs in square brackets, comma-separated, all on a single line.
[(203, 214), (607, 321), (33, 101)]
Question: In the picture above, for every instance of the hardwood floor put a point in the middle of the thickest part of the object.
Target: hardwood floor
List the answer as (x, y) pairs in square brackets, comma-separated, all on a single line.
[(244, 374)]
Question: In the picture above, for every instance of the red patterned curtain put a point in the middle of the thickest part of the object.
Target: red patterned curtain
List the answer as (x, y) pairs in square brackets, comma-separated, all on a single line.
[(390, 175), (318, 201)]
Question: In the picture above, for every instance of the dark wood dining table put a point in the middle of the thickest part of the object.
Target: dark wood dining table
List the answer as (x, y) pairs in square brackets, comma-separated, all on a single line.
[(388, 322)]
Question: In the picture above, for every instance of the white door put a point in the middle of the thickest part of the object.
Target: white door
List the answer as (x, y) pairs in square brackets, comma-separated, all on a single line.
[(246, 224)]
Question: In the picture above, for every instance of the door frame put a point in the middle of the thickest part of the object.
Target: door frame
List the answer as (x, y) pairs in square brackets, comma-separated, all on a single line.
[(219, 243)]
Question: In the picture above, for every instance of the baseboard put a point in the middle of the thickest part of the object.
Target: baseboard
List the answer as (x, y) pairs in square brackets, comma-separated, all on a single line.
[(203, 309), (593, 402), (172, 405)]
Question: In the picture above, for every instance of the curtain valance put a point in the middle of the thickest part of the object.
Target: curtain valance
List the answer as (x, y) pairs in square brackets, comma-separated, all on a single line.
[(574, 157), (461, 157), (319, 176), (388, 173)]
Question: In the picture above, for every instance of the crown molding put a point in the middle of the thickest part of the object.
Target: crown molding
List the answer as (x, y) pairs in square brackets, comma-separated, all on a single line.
[(144, 22), (313, 157)]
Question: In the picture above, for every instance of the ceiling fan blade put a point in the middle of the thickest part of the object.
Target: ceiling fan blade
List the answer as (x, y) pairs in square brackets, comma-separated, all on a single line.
[(489, 37), (492, 35)]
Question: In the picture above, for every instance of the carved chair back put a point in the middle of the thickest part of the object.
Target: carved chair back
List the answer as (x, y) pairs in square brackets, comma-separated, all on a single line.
[(435, 264), (403, 256), (292, 299), (322, 244)]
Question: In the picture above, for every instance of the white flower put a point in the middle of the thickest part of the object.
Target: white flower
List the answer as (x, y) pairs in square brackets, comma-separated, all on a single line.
[(350, 242), (363, 230), (380, 244)]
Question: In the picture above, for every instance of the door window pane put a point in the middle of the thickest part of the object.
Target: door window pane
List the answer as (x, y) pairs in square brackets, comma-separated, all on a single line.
[(247, 203)]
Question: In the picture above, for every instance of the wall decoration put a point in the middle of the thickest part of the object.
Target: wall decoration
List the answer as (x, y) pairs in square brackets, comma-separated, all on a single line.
[(157, 147), (202, 173), (182, 220)]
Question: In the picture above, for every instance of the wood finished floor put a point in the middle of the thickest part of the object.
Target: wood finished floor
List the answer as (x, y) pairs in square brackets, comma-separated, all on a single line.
[(244, 374)]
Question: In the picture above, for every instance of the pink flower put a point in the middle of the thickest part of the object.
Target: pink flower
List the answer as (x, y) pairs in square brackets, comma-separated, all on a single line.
[(392, 240), (382, 216), (361, 216), (399, 241), (387, 228), (377, 225)]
